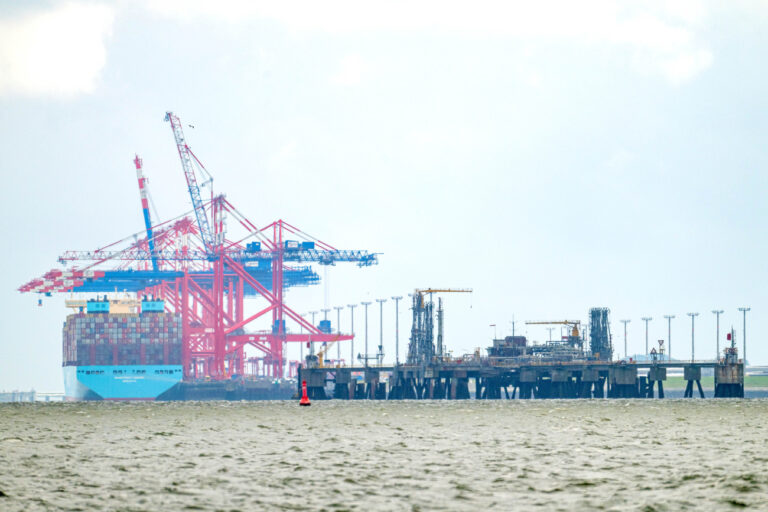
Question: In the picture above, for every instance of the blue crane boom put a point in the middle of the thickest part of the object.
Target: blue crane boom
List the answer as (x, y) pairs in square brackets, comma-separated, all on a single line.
[(323, 257), (186, 156)]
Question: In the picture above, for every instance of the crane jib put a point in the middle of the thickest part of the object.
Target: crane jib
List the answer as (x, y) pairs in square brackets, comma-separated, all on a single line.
[(145, 210), (194, 189)]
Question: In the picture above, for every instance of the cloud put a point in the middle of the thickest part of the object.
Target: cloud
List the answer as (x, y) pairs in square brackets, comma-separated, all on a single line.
[(350, 72), (54, 52), (286, 153), (663, 36), (620, 160), (685, 65)]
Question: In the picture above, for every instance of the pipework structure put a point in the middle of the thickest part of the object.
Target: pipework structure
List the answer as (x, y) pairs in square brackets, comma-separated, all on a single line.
[(600, 334), (421, 348)]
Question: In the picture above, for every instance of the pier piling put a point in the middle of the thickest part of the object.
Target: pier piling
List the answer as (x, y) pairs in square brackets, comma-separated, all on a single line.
[(566, 380)]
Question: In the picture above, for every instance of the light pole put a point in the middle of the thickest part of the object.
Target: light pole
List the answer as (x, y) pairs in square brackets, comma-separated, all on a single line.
[(494, 330), (301, 345), (366, 304), (646, 319), (744, 337), (669, 336), (380, 355), (338, 331), (397, 330), (693, 318), (312, 343), (625, 322), (550, 329), (717, 313), (325, 318), (352, 328)]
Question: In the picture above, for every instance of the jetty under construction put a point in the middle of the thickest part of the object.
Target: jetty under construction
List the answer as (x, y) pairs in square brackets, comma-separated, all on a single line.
[(571, 367)]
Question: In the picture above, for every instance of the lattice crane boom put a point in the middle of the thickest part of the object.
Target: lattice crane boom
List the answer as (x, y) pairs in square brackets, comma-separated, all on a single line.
[(420, 292), (186, 156)]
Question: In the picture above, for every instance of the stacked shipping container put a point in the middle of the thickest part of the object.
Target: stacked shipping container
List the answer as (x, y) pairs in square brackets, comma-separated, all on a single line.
[(122, 339)]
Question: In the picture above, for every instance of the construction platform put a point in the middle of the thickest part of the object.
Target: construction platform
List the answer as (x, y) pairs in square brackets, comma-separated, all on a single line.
[(572, 379)]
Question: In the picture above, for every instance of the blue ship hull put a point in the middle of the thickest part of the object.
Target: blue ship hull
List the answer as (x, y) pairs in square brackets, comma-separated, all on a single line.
[(120, 382)]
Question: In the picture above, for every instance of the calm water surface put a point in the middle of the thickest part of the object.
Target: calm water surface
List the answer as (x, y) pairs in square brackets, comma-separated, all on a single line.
[(505, 455)]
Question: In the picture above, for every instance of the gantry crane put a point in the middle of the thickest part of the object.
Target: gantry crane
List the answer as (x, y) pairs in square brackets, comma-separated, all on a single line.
[(203, 277), (421, 348)]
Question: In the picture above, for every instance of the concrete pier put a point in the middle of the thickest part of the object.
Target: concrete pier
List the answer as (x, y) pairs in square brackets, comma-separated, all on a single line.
[(656, 377), (729, 381)]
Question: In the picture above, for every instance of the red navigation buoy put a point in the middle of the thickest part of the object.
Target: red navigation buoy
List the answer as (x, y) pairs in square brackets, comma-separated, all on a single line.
[(304, 398)]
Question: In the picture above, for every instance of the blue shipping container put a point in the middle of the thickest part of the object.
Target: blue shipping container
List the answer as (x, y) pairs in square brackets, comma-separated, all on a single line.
[(98, 307), (152, 306)]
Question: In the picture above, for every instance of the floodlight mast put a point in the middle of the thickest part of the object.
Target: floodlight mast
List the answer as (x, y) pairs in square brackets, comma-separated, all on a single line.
[(717, 313), (646, 319), (744, 336), (693, 332), (625, 322), (669, 336)]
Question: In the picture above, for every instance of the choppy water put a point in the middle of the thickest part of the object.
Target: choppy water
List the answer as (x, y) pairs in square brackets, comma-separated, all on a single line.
[(505, 455)]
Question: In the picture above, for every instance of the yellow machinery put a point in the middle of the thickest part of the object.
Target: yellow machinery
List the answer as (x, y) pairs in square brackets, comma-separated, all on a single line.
[(573, 324), (321, 354), (424, 291)]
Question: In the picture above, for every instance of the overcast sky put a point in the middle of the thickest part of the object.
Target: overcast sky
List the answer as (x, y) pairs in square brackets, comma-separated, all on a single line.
[(553, 156)]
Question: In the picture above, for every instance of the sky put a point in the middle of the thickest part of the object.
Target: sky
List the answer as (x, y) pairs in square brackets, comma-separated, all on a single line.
[(552, 156)]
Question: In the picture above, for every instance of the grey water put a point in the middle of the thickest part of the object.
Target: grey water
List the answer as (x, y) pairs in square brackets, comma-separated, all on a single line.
[(429, 455)]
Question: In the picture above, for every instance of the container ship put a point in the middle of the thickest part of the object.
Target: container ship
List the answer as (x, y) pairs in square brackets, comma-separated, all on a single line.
[(121, 349)]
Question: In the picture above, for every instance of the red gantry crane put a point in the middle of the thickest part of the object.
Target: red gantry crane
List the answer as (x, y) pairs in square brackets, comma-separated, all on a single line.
[(204, 276)]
